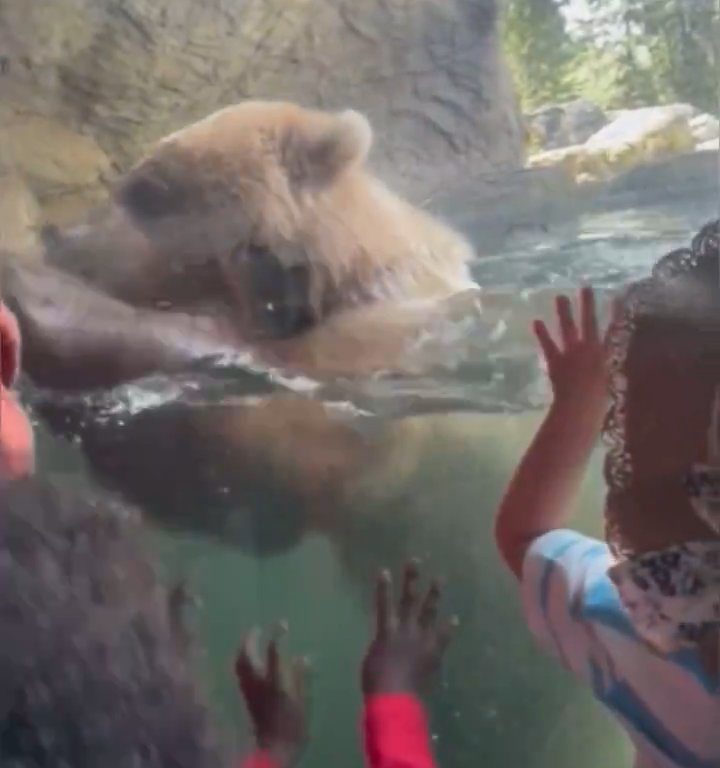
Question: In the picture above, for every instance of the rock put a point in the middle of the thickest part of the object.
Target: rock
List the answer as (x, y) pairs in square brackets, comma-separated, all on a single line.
[(52, 158), (545, 128), (634, 138), (582, 120), (688, 176), (579, 164), (647, 130), (705, 128), (19, 215), (709, 146), (564, 125), (106, 78)]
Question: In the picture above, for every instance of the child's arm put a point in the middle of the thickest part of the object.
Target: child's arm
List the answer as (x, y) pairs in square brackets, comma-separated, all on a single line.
[(407, 649), (396, 733), (260, 760), (539, 497), (17, 450)]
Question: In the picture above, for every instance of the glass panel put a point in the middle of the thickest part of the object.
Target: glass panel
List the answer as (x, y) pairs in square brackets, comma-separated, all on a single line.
[(286, 366)]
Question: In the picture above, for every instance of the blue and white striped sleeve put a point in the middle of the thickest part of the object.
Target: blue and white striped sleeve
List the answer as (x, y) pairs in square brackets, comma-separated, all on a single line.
[(558, 569)]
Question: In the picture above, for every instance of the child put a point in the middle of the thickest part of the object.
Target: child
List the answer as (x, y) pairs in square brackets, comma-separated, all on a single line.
[(636, 618), (96, 667), (407, 649)]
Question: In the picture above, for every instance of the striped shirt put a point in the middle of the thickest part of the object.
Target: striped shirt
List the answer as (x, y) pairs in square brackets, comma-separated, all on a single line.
[(668, 705)]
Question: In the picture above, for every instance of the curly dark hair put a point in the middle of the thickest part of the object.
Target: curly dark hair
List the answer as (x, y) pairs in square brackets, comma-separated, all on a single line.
[(95, 662), (664, 371)]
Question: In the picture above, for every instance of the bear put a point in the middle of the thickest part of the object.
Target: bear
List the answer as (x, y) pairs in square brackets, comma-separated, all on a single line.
[(267, 211), (257, 235)]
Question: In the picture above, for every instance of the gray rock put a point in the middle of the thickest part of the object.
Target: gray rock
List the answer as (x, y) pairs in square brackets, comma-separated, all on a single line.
[(119, 74), (562, 125), (582, 120), (705, 128), (19, 215), (632, 126), (688, 176)]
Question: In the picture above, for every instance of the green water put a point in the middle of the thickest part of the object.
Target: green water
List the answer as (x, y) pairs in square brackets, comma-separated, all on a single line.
[(500, 702)]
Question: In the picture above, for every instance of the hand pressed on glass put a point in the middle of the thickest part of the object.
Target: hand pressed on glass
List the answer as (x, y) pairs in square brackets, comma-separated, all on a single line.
[(576, 361), (410, 639), (275, 696)]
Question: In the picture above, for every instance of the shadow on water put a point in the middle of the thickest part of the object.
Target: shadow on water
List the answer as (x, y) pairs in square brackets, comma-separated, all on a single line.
[(501, 703)]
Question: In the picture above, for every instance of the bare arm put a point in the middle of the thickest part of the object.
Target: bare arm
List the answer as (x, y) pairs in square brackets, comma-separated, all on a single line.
[(540, 495)]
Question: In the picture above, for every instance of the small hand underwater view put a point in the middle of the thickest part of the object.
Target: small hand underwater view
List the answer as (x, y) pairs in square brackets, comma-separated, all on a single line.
[(360, 384)]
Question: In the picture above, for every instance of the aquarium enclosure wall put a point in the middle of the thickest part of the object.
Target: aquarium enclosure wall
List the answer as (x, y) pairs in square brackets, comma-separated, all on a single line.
[(296, 334)]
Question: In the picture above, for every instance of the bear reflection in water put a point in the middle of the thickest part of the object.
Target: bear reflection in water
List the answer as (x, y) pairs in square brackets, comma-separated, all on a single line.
[(256, 233)]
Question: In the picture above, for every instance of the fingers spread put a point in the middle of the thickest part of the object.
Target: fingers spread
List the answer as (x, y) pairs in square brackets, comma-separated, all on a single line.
[(430, 605), (566, 321), (547, 344), (588, 315), (247, 665), (274, 672), (409, 598), (384, 612)]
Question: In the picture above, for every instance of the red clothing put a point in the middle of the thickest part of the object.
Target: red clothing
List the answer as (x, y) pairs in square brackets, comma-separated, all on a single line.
[(395, 735), (396, 732), (260, 760), (17, 449)]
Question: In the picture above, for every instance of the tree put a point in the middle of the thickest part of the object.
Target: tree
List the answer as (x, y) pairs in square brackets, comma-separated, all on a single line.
[(683, 39), (664, 50), (539, 50), (627, 53)]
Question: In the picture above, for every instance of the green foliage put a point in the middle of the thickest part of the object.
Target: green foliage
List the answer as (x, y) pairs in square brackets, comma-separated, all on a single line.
[(628, 53), (539, 50)]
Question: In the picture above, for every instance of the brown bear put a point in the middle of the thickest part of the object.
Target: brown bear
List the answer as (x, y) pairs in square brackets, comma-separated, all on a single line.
[(258, 235)]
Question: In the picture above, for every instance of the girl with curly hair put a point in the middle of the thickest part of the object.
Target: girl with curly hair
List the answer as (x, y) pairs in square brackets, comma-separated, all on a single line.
[(636, 617)]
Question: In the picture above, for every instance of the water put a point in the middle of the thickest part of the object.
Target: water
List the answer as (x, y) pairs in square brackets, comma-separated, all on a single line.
[(500, 702)]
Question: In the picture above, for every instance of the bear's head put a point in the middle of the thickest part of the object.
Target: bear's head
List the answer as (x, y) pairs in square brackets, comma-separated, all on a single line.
[(263, 215), (246, 209)]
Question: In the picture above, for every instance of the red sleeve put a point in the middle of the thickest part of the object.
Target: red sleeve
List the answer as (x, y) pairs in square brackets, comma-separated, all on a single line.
[(396, 733), (16, 435), (259, 760), (9, 346)]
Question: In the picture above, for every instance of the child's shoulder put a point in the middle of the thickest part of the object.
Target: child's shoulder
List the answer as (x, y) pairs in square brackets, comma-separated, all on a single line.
[(565, 549)]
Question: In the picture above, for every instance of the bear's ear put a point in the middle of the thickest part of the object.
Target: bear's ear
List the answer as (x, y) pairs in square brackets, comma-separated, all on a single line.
[(157, 188), (315, 154)]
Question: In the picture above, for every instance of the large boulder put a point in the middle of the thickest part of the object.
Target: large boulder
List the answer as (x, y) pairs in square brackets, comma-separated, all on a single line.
[(562, 125), (87, 85), (705, 128), (649, 131), (635, 137), (19, 215)]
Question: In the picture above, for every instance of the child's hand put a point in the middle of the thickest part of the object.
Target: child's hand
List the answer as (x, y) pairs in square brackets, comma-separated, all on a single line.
[(276, 701), (576, 365), (409, 641)]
